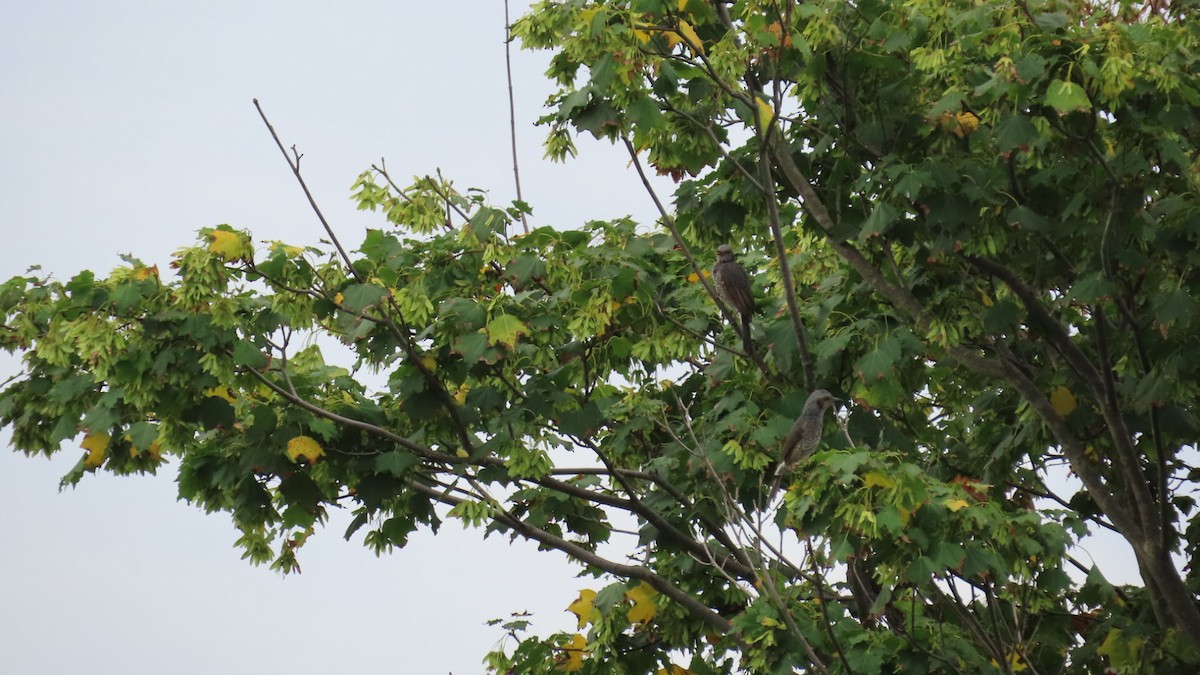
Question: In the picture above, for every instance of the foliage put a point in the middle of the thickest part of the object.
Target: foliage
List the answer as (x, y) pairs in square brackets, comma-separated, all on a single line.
[(973, 221)]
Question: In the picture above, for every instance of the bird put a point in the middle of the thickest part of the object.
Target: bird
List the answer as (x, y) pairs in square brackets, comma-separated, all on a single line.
[(802, 440), (733, 285)]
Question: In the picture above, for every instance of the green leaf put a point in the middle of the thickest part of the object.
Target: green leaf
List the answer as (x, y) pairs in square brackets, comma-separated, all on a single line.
[(466, 314), (212, 412), (951, 101), (126, 295), (472, 347), (879, 362), (1051, 21), (1091, 288), (1015, 131), (357, 297), (143, 435), (644, 112), (1026, 217), (582, 423), (505, 329), (487, 222), (1175, 305), (1066, 97), (881, 218), (247, 354), (396, 462), (526, 270), (1002, 317)]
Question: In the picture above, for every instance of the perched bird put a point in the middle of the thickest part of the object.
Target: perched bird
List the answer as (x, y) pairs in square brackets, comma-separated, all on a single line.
[(733, 285), (805, 435)]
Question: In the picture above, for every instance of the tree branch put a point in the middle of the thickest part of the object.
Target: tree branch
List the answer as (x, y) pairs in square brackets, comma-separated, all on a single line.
[(295, 167), (693, 606)]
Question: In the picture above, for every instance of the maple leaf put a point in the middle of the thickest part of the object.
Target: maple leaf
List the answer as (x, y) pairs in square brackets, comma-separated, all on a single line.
[(306, 447), (571, 659), (96, 444), (227, 244), (956, 504), (965, 123), (155, 449), (643, 609), (690, 36), (583, 607), (1063, 401), (221, 392), (880, 479), (143, 273), (505, 329), (1067, 97)]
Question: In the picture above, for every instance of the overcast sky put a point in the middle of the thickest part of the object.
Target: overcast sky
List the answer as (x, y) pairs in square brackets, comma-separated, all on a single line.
[(125, 127)]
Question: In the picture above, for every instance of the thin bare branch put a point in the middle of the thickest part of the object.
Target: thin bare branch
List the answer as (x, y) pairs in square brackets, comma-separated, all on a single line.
[(512, 111), (294, 165)]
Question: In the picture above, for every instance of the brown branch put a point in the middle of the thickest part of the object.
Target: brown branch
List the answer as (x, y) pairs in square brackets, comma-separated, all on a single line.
[(295, 167), (512, 111), (694, 607), (1126, 456), (785, 271), (898, 296), (669, 222)]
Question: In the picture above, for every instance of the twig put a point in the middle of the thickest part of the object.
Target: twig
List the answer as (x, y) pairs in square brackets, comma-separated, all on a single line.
[(512, 112), (295, 167), (669, 222)]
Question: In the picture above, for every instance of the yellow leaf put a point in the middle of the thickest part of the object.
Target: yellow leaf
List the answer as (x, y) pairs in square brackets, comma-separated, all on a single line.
[(429, 362), (221, 392), (583, 607), (689, 35), (643, 609), (143, 273), (572, 656), (337, 299), (1120, 651), (288, 251), (966, 123), (765, 112), (227, 244), (462, 453), (460, 396), (682, 5), (96, 444), (303, 446), (1063, 401), (956, 504), (693, 278), (642, 36), (880, 479)]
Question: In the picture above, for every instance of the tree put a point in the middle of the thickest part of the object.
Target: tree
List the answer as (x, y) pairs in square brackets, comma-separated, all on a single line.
[(972, 221)]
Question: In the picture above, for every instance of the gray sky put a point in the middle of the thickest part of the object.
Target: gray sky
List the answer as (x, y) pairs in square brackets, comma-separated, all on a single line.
[(125, 127)]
